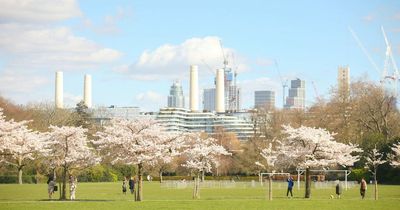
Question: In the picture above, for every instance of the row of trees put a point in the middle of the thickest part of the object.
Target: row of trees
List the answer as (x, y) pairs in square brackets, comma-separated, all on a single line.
[(142, 142), (366, 118)]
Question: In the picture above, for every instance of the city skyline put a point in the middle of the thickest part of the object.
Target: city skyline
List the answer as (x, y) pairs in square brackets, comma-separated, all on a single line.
[(134, 50)]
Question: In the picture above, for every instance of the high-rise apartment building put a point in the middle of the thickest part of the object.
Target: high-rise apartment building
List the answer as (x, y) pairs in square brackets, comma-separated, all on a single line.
[(264, 99), (343, 82), (297, 95), (176, 98), (209, 99)]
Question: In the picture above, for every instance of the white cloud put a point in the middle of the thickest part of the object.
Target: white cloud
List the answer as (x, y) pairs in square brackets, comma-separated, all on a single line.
[(34, 43), (38, 10), (15, 82), (172, 61), (109, 24), (50, 46), (368, 18), (151, 100), (71, 100)]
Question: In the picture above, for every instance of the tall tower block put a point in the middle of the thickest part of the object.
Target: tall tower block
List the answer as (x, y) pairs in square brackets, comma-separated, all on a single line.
[(219, 92), (59, 90), (194, 88), (87, 91), (344, 82)]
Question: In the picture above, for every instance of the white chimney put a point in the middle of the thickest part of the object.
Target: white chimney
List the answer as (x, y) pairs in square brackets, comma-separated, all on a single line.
[(59, 90), (219, 92), (87, 91), (194, 88)]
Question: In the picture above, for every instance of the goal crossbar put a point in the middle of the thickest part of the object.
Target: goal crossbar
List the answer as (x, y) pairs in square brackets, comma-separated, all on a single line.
[(301, 171)]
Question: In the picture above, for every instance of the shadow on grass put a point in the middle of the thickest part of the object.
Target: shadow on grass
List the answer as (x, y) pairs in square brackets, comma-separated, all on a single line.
[(78, 200)]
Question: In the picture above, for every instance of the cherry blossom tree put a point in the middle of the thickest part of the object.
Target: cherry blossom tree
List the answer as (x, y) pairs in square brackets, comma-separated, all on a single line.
[(18, 143), (202, 154), (23, 144), (68, 149), (395, 158), (138, 142), (373, 159), (308, 148)]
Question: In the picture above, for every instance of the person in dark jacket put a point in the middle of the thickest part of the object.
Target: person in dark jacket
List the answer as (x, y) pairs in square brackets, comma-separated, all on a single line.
[(132, 185), (290, 186), (338, 189)]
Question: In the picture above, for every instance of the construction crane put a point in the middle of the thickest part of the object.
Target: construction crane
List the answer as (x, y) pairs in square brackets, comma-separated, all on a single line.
[(283, 82), (365, 51), (385, 76), (223, 54), (316, 91), (389, 55)]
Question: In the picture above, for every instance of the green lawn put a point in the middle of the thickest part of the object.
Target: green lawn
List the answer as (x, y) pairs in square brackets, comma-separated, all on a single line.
[(109, 196)]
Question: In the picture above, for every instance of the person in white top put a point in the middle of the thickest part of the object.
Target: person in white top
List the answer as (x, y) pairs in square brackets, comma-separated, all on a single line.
[(72, 187)]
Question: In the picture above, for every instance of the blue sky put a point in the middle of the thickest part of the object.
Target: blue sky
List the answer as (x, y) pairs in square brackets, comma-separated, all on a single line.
[(135, 49)]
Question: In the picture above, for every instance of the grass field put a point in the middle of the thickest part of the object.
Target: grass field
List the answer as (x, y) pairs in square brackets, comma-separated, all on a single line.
[(109, 196)]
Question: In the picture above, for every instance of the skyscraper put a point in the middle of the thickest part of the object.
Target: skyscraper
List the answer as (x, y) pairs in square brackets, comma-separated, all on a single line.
[(209, 99), (297, 95), (264, 99), (176, 98), (343, 82)]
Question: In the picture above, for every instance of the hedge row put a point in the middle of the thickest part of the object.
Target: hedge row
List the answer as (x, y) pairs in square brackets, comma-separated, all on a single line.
[(10, 179)]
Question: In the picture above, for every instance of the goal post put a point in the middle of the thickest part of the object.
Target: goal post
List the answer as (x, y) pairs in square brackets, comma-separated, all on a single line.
[(301, 171)]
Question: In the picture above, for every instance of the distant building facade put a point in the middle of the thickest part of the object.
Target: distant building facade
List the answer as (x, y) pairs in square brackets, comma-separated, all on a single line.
[(343, 80), (183, 120), (297, 95), (264, 99), (176, 98)]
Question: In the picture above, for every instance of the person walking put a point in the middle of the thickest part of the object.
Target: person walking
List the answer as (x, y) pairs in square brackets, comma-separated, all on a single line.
[(290, 186), (72, 187), (124, 184), (363, 188), (50, 186)]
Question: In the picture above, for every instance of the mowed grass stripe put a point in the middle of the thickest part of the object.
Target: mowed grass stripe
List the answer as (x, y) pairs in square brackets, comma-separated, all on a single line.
[(109, 196)]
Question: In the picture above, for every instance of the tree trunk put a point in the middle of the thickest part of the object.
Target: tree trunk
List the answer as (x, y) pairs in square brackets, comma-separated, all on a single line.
[(20, 170), (161, 180), (139, 184), (64, 183), (270, 188), (19, 174), (195, 188), (202, 176), (376, 187), (308, 183)]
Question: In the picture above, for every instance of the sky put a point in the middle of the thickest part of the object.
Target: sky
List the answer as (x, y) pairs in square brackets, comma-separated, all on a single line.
[(134, 50)]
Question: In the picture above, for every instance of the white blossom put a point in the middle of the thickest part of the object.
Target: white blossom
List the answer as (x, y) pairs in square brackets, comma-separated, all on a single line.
[(202, 154), (314, 147), (395, 158), (69, 147)]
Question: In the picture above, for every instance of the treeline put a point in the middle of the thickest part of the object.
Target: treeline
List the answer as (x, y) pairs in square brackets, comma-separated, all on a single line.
[(365, 115)]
